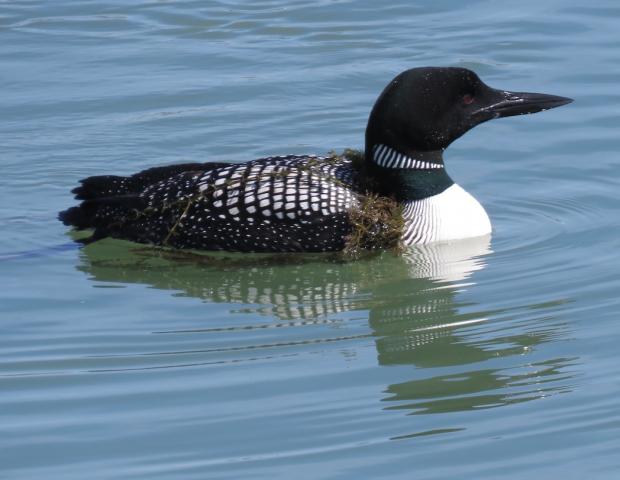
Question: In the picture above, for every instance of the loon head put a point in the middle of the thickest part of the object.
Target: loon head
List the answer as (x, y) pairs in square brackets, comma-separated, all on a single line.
[(423, 110)]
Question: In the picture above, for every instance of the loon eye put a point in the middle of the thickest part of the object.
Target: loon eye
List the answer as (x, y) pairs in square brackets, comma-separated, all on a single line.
[(468, 99)]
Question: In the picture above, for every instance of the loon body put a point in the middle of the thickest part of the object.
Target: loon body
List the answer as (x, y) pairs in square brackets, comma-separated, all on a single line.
[(304, 202)]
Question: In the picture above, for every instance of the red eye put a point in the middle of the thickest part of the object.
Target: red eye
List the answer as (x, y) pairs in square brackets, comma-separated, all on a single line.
[(468, 99)]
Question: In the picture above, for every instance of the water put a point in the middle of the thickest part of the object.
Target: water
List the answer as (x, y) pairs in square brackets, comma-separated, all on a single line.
[(488, 359)]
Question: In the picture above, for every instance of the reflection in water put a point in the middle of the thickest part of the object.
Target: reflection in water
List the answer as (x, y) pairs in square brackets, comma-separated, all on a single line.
[(291, 286), (480, 389), (410, 301)]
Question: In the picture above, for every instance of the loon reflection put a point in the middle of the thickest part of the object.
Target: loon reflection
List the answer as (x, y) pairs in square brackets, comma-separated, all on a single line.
[(422, 282), (411, 302)]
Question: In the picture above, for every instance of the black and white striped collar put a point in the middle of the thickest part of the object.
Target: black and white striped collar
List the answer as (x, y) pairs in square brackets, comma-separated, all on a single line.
[(388, 157)]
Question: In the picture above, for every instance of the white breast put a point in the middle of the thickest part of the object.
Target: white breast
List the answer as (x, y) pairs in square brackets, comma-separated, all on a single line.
[(451, 215)]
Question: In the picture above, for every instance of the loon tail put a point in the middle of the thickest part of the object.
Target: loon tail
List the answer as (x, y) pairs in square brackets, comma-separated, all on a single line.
[(102, 186), (100, 212), (111, 203)]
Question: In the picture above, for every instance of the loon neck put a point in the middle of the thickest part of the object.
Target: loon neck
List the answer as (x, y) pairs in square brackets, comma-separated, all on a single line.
[(409, 175)]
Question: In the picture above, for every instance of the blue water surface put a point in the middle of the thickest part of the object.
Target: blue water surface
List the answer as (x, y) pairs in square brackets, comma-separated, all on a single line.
[(494, 358)]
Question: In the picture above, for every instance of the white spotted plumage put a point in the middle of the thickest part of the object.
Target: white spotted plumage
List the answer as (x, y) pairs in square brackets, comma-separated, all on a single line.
[(297, 203), (291, 203)]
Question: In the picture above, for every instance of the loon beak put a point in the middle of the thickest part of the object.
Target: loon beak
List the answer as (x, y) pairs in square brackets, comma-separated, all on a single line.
[(507, 104)]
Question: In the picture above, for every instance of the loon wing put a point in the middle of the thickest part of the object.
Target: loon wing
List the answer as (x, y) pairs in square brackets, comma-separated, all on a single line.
[(275, 204), (100, 186)]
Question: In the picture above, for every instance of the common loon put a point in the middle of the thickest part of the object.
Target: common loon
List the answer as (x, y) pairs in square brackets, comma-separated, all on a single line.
[(303, 203)]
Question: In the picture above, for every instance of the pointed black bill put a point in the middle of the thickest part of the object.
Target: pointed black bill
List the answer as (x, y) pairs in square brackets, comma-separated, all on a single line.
[(507, 104)]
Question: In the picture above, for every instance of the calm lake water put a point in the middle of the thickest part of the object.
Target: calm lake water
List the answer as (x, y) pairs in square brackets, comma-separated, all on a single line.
[(487, 359)]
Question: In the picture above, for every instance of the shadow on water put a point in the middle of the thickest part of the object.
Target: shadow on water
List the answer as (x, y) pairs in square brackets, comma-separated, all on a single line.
[(415, 307)]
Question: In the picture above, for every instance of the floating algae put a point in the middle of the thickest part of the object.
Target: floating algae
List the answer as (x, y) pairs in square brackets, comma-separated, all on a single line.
[(377, 222)]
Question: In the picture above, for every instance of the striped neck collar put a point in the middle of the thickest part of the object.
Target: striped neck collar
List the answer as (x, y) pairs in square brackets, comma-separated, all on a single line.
[(388, 157)]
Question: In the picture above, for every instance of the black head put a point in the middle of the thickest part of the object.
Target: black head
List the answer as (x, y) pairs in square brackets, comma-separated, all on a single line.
[(426, 109)]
